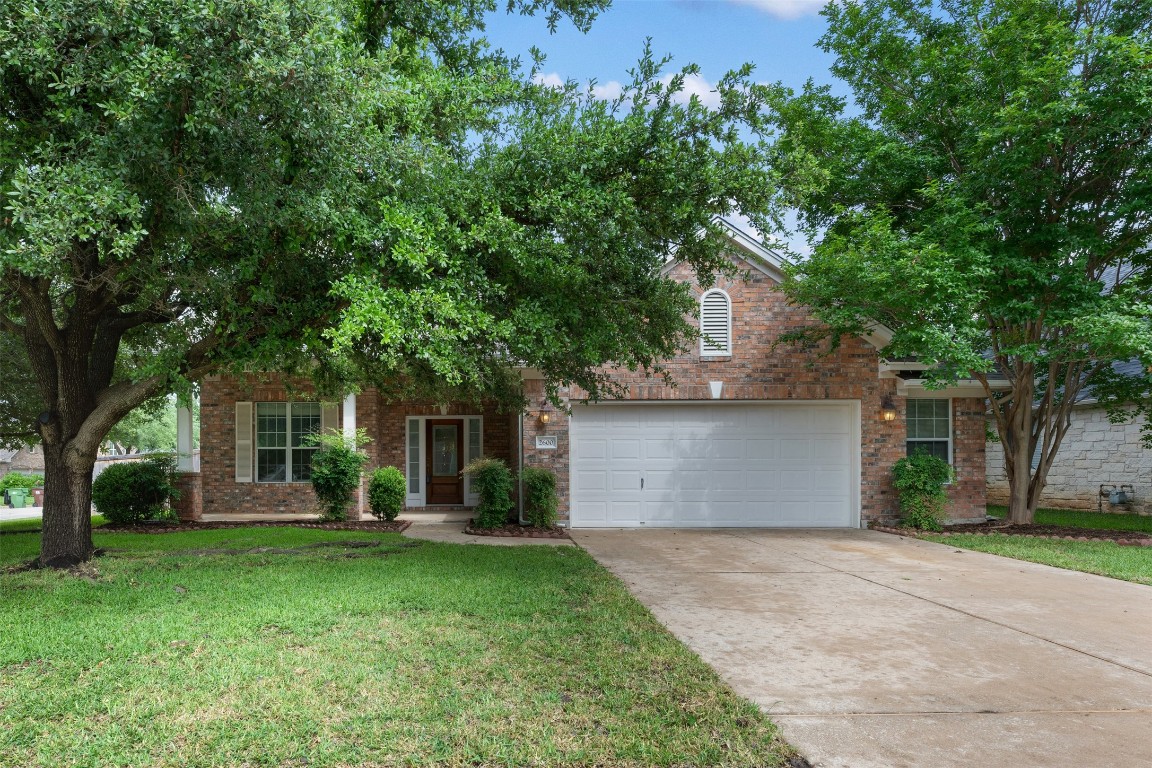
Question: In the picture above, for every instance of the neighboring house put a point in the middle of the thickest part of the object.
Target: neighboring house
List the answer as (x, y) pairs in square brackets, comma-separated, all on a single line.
[(29, 460), (1094, 453), (753, 435)]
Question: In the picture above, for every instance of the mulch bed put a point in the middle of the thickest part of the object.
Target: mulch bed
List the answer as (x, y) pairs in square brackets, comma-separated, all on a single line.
[(1123, 538), (395, 526), (519, 531)]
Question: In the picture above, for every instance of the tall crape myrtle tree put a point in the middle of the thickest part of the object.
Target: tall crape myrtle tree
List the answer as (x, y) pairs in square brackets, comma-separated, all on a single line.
[(988, 197), (356, 191)]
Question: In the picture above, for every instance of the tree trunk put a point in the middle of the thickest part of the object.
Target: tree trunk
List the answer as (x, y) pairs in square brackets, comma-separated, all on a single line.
[(67, 526)]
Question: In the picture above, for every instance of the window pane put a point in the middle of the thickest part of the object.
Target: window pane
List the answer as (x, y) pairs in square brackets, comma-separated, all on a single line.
[(473, 439), (270, 465), (302, 464), (271, 425), (413, 456), (305, 421), (937, 448)]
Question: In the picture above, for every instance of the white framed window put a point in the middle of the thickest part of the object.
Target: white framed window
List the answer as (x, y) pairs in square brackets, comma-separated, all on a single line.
[(283, 454), (930, 427), (715, 324)]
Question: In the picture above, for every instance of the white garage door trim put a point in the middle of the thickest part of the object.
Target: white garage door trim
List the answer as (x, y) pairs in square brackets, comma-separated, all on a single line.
[(674, 432)]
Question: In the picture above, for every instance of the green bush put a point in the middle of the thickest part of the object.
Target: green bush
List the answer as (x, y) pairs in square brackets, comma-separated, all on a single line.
[(20, 480), (336, 470), (129, 492), (386, 493), (920, 480), (492, 482), (540, 500)]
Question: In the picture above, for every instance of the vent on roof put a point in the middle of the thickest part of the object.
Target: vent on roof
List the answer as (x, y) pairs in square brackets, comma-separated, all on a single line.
[(715, 323)]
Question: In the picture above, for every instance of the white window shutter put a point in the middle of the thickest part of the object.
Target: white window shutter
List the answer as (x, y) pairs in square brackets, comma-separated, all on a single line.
[(329, 418), (715, 323), (243, 442)]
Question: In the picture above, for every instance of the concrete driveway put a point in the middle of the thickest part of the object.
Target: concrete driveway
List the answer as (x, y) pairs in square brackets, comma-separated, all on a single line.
[(874, 651)]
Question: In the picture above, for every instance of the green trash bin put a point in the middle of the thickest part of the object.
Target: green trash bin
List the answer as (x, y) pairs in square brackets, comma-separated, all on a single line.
[(18, 496)]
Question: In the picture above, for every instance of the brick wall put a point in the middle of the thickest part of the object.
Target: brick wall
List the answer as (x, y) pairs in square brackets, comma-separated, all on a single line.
[(384, 422), (761, 368), (1094, 451), (220, 491), (190, 505), (966, 495)]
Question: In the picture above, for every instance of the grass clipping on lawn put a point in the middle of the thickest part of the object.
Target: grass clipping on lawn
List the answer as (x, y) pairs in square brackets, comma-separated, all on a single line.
[(380, 655)]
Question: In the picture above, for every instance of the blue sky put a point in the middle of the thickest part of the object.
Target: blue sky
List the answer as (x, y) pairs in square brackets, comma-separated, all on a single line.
[(777, 36)]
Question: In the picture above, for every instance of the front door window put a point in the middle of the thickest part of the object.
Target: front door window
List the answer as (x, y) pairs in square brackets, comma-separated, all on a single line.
[(445, 440)]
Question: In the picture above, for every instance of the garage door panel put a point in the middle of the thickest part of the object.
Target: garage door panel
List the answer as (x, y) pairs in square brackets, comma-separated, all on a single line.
[(713, 465), (624, 480), (595, 480), (624, 449), (829, 449), (589, 448), (728, 448)]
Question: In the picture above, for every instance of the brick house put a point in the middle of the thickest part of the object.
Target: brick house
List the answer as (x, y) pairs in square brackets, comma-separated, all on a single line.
[(750, 435)]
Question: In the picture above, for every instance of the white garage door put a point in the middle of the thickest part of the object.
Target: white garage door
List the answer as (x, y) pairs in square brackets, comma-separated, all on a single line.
[(714, 465)]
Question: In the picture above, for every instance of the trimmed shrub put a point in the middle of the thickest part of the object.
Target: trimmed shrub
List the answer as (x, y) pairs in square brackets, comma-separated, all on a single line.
[(336, 471), (920, 479), (492, 482), (540, 500), (386, 492), (130, 492), (20, 480)]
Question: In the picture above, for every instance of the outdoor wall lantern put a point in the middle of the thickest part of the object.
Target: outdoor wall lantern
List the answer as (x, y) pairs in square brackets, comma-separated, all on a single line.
[(888, 408), (544, 417)]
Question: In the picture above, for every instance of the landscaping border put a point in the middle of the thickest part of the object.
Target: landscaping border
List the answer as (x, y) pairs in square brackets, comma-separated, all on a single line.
[(1122, 538), (518, 531)]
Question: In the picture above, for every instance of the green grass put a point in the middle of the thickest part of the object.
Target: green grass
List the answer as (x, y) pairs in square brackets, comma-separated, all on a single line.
[(389, 655), (1105, 558), (1083, 519), (33, 524)]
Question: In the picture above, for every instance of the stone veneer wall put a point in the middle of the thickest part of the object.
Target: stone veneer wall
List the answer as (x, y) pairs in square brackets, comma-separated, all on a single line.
[(760, 370), (1093, 452)]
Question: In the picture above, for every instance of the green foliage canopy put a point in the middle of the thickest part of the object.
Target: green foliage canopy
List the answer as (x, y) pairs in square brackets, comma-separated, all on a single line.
[(990, 200), (362, 191)]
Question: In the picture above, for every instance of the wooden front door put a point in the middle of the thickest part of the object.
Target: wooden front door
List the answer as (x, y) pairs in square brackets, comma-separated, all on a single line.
[(445, 441)]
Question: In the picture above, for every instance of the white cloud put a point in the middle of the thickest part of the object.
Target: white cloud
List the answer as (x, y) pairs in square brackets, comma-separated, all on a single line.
[(785, 9), (551, 80), (609, 91), (695, 85)]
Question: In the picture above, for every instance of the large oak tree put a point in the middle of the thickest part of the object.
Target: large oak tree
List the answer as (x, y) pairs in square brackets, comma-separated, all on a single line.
[(988, 196), (360, 191)]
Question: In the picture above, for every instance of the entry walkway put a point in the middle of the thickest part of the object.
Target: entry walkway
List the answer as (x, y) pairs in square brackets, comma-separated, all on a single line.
[(875, 651)]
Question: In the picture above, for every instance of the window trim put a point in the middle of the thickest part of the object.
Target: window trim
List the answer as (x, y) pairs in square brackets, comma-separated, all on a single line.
[(288, 447), (951, 430), (704, 341)]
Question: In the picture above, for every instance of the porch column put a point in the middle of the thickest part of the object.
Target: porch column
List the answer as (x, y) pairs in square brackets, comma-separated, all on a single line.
[(349, 430), (184, 457)]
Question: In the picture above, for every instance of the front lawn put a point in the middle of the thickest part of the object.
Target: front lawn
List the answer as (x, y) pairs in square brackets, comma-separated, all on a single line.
[(33, 524), (1105, 558), (1076, 518), (253, 647)]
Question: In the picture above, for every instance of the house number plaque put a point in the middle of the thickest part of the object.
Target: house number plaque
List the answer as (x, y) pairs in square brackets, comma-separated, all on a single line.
[(546, 442)]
